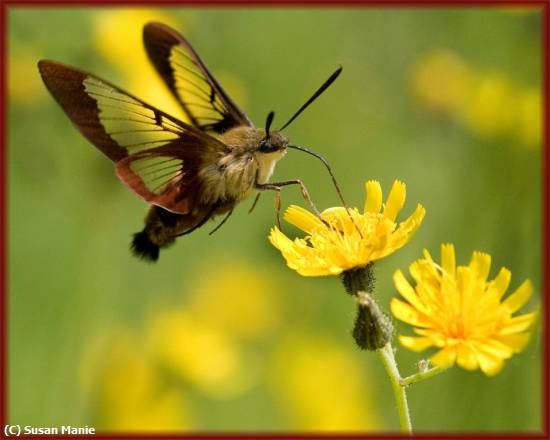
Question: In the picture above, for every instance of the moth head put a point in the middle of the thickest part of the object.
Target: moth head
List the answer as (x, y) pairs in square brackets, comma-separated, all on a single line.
[(273, 141)]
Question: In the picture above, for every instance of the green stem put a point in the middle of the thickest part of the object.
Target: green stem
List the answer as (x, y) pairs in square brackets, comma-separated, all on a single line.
[(386, 355), (413, 378)]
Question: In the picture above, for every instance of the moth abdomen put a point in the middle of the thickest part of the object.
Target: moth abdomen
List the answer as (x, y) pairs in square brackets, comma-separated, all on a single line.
[(162, 227), (143, 248)]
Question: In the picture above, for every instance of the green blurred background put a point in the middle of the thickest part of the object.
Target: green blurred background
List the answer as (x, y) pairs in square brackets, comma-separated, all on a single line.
[(220, 335)]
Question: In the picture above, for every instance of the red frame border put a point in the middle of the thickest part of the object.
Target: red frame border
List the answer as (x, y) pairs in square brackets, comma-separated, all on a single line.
[(545, 297)]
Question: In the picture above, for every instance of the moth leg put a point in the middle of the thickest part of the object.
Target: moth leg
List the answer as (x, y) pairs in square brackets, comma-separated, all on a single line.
[(303, 189), (221, 223), (255, 203), (199, 224), (278, 208)]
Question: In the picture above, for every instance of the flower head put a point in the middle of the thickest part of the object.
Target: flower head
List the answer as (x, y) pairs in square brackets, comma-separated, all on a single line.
[(457, 310), (347, 240)]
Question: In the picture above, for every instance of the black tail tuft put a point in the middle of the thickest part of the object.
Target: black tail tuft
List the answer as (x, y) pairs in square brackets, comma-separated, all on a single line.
[(142, 247)]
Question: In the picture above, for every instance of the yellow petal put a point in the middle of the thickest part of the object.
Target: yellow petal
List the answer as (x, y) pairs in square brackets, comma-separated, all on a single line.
[(517, 299), (466, 357), (445, 357), (406, 291), (489, 364), (494, 348), (415, 343), (395, 201), (518, 323), (341, 219), (437, 338), (448, 262), (429, 264), (335, 213), (307, 270), (481, 264), (427, 255), (373, 202), (427, 278), (466, 287), (516, 342), (301, 218), (407, 229), (298, 255), (279, 240), (500, 284), (404, 312)]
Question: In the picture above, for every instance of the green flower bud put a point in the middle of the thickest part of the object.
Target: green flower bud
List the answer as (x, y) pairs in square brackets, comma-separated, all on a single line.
[(373, 329)]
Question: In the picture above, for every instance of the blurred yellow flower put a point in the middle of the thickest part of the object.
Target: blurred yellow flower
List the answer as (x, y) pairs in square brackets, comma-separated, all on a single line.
[(24, 84), (529, 120), (488, 104), (240, 300), (347, 240), (441, 79), (490, 109), (204, 356), (320, 386), (119, 40), (458, 311), (130, 393)]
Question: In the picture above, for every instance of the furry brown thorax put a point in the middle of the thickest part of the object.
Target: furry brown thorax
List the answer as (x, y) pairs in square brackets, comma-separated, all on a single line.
[(250, 157), (245, 139)]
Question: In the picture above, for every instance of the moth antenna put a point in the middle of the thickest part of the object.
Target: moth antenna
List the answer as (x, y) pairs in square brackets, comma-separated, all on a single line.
[(319, 91), (268, 122)]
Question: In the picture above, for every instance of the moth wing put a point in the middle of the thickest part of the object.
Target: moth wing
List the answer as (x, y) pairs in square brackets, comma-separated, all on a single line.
[(204, 101), (157, 156)]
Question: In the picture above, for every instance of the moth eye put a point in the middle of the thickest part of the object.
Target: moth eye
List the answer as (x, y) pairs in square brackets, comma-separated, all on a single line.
[(265, 147)]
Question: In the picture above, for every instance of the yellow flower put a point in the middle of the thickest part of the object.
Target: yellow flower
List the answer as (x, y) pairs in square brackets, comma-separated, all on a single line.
[(128, 390), (529, 119), (241, 311), (24, 85), (335, 394), (347, 240), (202, 355), (486, 103), (458, 311), (119, 40), (441, 80), (491, 108)]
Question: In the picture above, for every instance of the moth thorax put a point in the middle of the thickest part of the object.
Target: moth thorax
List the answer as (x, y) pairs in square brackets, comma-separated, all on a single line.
[(242, 139)]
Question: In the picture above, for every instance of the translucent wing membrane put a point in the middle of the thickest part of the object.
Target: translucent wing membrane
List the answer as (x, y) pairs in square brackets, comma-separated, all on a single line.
[(157, 171), (204, 107), (162, 178), (204, 101), (156, 156), (133, 126)]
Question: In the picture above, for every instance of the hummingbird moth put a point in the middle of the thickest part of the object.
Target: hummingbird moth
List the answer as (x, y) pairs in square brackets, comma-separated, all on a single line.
[(189, 173)]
